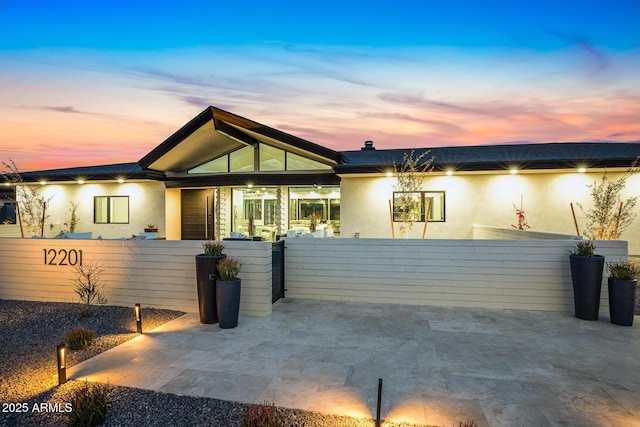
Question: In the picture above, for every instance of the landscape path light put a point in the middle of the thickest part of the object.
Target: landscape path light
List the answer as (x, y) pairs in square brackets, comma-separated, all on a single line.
[(378, 406), (61, 351), (138, 311)]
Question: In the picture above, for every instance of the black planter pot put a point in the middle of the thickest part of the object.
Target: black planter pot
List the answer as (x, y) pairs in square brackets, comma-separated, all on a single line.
[(228, 302), (622, 301), (586, 275), (206, 266)]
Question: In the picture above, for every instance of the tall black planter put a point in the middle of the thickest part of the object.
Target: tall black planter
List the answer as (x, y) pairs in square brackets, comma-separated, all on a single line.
[(228, 302), (206, 266), (622, 301), (586, 275)]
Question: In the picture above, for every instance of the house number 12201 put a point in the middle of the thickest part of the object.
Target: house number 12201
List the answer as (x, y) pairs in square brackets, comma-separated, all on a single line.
[(62, 257)]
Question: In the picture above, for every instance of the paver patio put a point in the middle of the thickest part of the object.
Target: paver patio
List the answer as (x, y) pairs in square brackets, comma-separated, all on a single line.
[(438, 365)]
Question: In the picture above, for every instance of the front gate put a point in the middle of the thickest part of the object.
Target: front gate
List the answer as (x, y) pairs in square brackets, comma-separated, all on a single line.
[(277, 271)]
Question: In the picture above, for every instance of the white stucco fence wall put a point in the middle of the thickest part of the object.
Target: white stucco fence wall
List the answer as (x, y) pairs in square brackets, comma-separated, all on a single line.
[(156, 273), (509, 274), (487, 232)]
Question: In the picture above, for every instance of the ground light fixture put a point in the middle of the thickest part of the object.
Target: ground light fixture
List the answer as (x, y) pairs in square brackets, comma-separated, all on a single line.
[(379, 405), (61, 351), (138, 311)]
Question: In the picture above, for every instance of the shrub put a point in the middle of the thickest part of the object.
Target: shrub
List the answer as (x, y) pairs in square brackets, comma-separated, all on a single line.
[(623, 270), (213, 248), (89, 285), (467, 423), (88, 405), (262, 415), (79, 338), (228, 269), (611, 214), (585, 248)]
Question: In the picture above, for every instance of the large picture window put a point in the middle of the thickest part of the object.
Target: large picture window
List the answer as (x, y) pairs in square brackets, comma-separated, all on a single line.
[(413, 206), (111, 209)]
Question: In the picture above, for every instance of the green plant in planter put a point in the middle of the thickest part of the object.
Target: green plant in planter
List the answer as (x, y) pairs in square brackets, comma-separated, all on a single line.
[(213, 248), (228, 269), (623, 270), (584, 248)]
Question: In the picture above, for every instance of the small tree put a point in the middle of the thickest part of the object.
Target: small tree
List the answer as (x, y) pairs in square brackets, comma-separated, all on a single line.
[(73, 219), (610, 214), (409, 178), (31, 205), (90, 286)]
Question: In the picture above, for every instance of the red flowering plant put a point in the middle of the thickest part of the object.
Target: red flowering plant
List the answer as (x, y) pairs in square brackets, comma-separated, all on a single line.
[(522, 220)]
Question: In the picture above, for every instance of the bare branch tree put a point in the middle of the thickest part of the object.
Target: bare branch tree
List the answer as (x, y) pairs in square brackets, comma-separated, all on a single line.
[(409, 178), (90, 286), (31, 205), (610, 214)]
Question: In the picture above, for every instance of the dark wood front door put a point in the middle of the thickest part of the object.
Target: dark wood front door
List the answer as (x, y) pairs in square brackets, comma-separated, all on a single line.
[(197, 214)]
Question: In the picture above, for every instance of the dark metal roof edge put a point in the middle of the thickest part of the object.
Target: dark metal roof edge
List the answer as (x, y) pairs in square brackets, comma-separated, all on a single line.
[(129, 170), (270, 132), (493, 166), (218, 114), (254, 179), (176, 138)]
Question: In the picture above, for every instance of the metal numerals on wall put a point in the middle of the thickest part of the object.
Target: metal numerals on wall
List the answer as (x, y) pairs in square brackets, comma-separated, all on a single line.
[(62, 257)]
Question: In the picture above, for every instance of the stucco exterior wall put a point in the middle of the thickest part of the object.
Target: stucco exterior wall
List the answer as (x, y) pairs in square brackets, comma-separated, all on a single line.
[(146, 206), (486, 199)]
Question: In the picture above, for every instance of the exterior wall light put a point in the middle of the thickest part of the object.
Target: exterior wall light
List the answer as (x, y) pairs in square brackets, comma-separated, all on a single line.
[(61, 351), (389, 174), (513, 171), (449, 172), (120, 180), (80, 181), (138, 311), (582, 170), (43, 182)]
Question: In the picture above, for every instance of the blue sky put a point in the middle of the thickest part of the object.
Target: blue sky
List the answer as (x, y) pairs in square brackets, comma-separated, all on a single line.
[(97, 82)]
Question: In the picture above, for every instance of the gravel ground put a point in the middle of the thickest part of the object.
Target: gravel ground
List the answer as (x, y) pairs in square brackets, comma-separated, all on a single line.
[(29, 333)]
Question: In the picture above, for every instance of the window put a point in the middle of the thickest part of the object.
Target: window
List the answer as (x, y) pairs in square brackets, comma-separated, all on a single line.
[(319, 203), (254, 211), (111, 209), (269, 159), (412, 206)]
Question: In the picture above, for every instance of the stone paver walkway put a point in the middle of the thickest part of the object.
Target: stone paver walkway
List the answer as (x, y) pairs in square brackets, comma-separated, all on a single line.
[(438, 365)]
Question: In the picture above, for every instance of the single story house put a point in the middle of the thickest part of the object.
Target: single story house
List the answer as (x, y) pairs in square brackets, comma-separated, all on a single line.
[(223, 175)]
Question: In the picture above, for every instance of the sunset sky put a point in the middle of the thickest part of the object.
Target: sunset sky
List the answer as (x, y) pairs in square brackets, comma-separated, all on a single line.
[(96, 82)]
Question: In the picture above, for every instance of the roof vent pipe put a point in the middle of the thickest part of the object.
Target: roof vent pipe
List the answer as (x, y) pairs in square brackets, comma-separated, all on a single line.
[(368, 145)]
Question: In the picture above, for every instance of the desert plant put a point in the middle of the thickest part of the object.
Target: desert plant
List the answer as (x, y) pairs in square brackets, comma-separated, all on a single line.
[(262, 415), (585, 248), (213, 248), (610, 214), (79, 338), (522, 219), (623, 270), (73, 220), (228, 269), (409, 178), (90, 286), (30, 205), (88, 405)]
